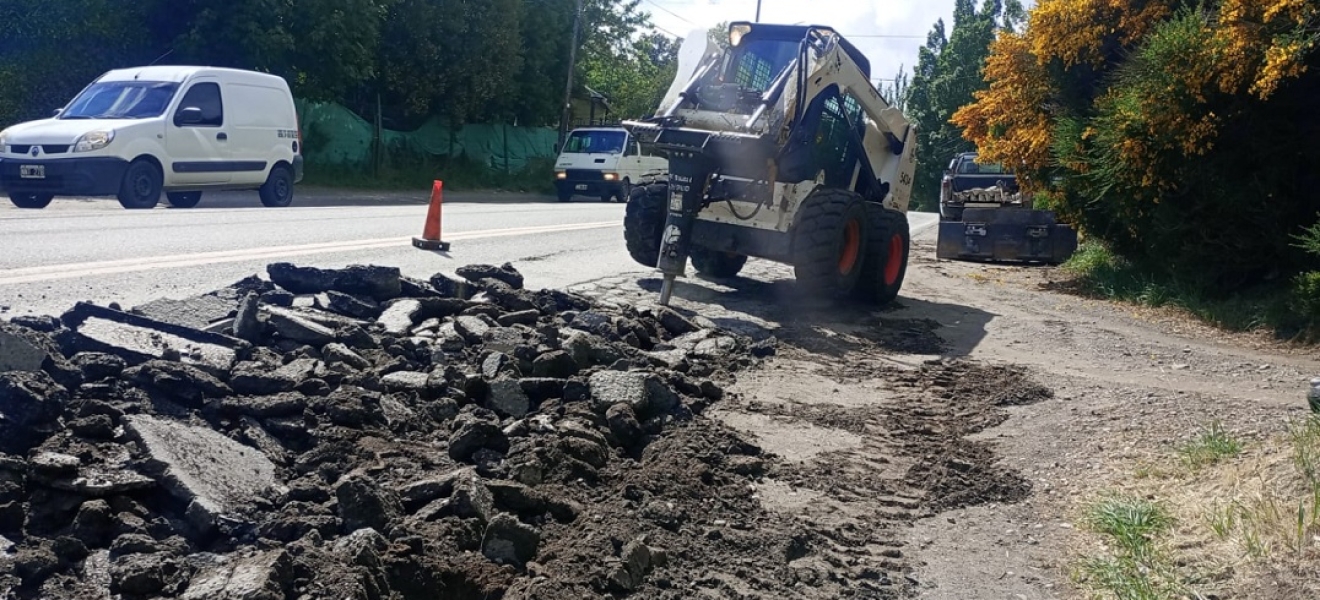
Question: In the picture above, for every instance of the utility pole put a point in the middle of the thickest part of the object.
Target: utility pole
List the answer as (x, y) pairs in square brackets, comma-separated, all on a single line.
[(572, 66), (758, 11)]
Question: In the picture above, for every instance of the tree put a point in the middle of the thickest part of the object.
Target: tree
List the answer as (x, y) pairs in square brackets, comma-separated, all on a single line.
[(635, 80), (1171, 130), (947, 74)]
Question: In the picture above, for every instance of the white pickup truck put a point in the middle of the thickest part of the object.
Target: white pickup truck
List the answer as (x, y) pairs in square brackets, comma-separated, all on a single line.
[(605, 163)]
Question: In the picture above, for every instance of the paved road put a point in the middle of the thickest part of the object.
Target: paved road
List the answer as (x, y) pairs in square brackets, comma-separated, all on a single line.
[(94, 250)]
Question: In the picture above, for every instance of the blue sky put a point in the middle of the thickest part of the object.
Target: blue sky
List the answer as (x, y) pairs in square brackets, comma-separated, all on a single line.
[(856, 19)]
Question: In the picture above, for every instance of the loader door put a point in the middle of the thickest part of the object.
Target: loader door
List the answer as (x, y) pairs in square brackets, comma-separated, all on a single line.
[(822, 142)]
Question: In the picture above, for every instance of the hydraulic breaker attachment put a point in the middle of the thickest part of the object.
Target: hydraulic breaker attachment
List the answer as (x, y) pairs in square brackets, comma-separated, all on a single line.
[(689, 172), (1006, 234)]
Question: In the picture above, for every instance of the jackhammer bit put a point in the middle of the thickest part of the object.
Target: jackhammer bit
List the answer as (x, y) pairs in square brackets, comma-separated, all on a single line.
[(688, 172)]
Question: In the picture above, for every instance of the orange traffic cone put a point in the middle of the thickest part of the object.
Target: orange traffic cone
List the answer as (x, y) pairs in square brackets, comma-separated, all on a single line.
[(430, 239)]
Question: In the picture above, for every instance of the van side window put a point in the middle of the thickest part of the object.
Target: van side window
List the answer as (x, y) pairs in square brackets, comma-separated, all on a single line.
[(633, 149), (205, 96)]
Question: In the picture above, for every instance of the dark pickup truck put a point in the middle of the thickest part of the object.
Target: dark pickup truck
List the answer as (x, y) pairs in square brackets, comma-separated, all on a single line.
[(968, 184)]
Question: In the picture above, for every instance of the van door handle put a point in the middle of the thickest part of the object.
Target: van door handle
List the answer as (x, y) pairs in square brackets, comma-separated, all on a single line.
[(222, 136)]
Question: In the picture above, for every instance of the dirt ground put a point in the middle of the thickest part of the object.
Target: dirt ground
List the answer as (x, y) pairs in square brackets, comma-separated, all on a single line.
[(945, 447)]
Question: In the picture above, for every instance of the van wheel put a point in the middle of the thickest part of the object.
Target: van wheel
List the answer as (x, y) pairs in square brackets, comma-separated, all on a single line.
[(31, 200), (277, 192), (625, 191), (142, 185), (183, 199)]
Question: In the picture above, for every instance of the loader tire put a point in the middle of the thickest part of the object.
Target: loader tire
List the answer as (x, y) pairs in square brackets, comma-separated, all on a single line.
[(714, 263), (829, 241), (644, 223), (886, 260)]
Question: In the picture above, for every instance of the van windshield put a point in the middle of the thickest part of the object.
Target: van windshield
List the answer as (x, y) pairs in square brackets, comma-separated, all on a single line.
[(122, 100), (595, 142)]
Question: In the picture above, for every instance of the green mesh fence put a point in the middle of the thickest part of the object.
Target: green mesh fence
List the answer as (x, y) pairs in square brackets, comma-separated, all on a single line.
[(334, 135)]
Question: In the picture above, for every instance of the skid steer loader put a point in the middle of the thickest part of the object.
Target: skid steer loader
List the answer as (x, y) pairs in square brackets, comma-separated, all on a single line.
[(779, 148)]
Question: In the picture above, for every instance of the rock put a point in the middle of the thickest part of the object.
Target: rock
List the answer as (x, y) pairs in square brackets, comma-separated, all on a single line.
[(711, 391), (380, 283), (188, 385), (419, 493), (142, 574), (400, 316), (522, 317), (96, 366), (215, 475), (98, 482), (540, 389), (624, 425), (290, 325), (337, 353), (94, 523), (473, 433), (502, 339), (95, 427), (358, 307), (22, 349), (42, 323), (764, 348), (716, 347), (29, 400), (751, 466), (495, 365), (137, 339), (471, 500), (54, 463), (473, 329), (637, 563), (247, 322), (508, 541), (363, 504), (259, 576), (614, 387), (673, 322), (451, 288), (197, 312), (592, 453), (264, 407), (355, 336), (281, 298), (576, 391), (508, 398), (504, 273), (406, 381), (557, 364), (516, 497), (593, 321), (256, 379)]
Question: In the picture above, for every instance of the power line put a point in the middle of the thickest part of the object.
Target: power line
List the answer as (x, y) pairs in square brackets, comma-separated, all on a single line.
[(676, 15)]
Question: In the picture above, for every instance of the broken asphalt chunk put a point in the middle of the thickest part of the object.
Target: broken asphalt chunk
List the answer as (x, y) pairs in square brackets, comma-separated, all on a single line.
[(380, 283), (138, 339)]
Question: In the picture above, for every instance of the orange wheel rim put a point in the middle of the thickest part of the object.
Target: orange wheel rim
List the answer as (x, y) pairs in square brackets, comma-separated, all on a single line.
[(852, 247), (894, 262)]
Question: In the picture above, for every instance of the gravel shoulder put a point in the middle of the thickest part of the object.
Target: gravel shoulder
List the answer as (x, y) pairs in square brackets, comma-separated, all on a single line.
[(953, 440)]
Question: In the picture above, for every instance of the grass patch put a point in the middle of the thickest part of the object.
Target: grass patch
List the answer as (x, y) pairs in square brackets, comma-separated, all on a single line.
[(1210, 447), (1136, 568), (417, 173), (1283, 307)]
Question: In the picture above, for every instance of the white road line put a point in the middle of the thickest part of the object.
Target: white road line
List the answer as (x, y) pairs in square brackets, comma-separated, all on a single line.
[(111, 267)]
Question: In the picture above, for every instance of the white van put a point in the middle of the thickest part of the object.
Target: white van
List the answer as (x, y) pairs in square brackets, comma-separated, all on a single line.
[(605, 162), (135, 133)]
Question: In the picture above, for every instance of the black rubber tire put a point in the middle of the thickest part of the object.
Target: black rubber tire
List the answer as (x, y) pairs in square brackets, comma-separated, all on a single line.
[(564, 195), (142, 185), (644, 223), (277, 192), (183, 199), (829, 218), (29, 200), (713, 263), (625, 191), (881, 281)]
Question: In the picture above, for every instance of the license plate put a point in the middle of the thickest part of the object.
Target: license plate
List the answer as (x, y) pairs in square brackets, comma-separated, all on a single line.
[(582, 186), (32, 171)]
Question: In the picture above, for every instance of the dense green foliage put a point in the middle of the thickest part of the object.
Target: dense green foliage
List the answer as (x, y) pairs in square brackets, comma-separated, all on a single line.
[(487, 61), (948, 72)]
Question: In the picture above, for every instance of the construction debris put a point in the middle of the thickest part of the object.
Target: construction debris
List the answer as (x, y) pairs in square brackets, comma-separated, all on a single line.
[(346, 434)]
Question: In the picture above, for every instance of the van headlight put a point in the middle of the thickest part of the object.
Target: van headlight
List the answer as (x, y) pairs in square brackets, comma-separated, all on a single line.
[(94, 140), (561, 175), (611, 177), (4, 139)]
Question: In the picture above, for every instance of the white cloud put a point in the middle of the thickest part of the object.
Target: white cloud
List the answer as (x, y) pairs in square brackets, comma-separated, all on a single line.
[(854, 18)]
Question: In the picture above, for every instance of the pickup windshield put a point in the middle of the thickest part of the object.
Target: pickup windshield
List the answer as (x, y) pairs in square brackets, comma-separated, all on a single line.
[(972, 168), (595, 142), (122, 100)]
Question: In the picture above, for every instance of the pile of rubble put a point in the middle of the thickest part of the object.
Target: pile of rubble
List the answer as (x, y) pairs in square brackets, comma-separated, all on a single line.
[(348, 434)]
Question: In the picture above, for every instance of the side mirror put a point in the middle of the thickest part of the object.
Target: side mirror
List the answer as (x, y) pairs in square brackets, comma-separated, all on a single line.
[(190, 115), (57, 112)]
